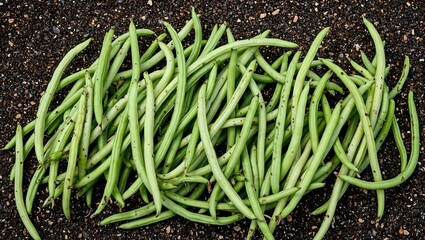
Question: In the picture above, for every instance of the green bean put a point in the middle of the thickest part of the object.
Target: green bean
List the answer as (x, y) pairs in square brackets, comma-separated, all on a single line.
[(231, 76), (268, 69), (369, 66), (147, 55), (196, 217), (198, 38), (400, 144), (236, 154), (85, 139), (338, 149), (405, 72), (278, 89), (294, 145), (380, 71), (114, 164), (100, 74), (262, 129), (361, 70), (367, 123), (134, 214), (148, 220), (73, 154), (180, 95), (299, 81), (125, 173), (46, 99), (213, 40), (133, 119), (408, 171), (317, 159), (314, 104), (212, 158), (149, 145), (253, 195), (58, 146), (115, 66), (291, 181), (254, 165), (19, 172)]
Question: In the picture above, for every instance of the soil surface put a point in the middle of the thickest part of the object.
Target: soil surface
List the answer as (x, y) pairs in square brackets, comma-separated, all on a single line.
[(34, 36)]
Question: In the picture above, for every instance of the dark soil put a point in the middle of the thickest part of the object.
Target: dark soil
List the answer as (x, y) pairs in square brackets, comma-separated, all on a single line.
[(34, 36)]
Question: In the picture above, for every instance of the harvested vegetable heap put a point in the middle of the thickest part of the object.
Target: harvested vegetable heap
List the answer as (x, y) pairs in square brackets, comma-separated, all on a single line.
[(191, 131)]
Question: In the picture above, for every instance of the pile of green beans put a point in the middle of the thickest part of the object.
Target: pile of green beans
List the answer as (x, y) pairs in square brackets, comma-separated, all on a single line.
[(190, 130)]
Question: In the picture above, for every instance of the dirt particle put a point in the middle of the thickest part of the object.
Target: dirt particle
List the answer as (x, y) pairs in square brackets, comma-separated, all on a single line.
[(276, 12), (360, 220), (263, 15), (18, 116), (10, 20), (295, 19), (289, 218), (237, 228)]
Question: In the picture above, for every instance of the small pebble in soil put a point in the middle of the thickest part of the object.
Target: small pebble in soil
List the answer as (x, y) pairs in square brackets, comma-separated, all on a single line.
[(56, 30)]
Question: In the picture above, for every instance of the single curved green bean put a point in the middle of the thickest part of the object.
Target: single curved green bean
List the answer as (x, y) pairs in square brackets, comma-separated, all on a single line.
[(149, 145), (100, 74), (299, 81), (46, 99), (405, 72), (212, 158), (19, 172), (198, 38), (180, 95), (361, 70), (313, 109), (85, 139), (73, 155), (115, 66), (400, 144), (414, 156), (369, 66), (240, 144)]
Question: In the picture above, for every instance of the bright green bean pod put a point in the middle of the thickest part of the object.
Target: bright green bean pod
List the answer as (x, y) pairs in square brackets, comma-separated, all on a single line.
[(197, 45), (100, 74), (302, 72), (19, 172), (236, 154), (410, 168), (361, 70), (317, 159), (369, 66), (405, 72), (46, 99), (113, 163), (400, 144), (367, 125), (295, 143), (253, 195), (180, 95), (85, 139), (212, 158), (115, 66), (73, 155), (313, 109), (149, 145)]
